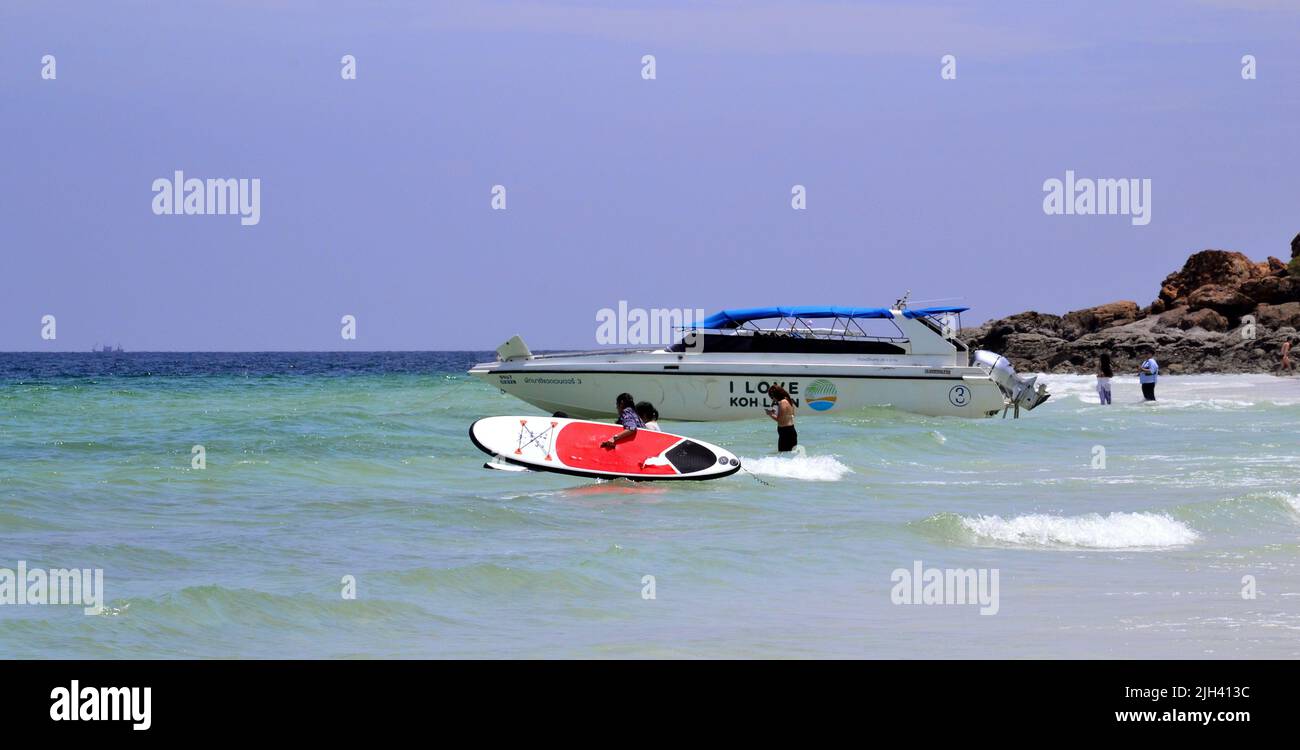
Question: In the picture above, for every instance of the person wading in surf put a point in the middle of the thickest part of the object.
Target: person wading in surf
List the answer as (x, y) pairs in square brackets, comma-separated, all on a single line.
[(783, 413), (1148, 372), (1104, 373), (626, 406), (648, 414)]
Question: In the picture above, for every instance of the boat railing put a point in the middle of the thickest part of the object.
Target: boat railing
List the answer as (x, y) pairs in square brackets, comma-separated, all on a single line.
[(553, 355), (832, 333), (840, 334)]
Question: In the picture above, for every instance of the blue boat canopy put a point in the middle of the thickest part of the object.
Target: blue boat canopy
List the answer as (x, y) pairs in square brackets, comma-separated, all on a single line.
[(738, 317), (922, 312)]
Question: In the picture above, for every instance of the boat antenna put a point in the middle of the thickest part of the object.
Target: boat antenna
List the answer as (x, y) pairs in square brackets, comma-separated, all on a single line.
[(901, 302)]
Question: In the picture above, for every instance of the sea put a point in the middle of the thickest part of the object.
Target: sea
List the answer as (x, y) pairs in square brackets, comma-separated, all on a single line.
[(339, 510)]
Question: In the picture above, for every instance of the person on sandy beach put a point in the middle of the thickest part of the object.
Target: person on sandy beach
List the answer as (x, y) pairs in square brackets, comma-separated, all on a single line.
[(626, 406), (1285, 365), (783, 413), (1148, 372), (1104, 373)]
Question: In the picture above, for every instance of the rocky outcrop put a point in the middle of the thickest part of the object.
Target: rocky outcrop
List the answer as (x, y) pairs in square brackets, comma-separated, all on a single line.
[(1222, 312), (1206, 319), (1272, 289), (1220, 298), (1208, 267), (1080, 322), (1278, 316)]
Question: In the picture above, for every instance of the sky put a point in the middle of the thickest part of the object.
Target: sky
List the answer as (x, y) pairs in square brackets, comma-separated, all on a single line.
[(673, 192)]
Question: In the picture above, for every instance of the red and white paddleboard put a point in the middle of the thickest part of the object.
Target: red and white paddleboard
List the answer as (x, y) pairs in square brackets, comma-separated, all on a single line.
[(572, 446)]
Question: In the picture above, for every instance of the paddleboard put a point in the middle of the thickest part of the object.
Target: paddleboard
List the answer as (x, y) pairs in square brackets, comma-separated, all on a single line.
[(572, 446), (500, 464)]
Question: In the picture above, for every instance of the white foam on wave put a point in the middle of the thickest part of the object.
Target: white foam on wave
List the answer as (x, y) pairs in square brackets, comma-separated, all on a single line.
[(1092, 531), (806, 468)]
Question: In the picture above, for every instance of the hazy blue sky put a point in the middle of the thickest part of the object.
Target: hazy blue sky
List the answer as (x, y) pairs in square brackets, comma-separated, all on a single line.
[(673, 192)]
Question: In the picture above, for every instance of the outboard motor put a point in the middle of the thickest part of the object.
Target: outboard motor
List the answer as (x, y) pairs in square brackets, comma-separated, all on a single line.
[(1019, 390)]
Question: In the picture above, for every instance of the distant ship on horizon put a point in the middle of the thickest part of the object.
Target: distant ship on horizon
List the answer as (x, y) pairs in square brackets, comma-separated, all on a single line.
[(107, 349)]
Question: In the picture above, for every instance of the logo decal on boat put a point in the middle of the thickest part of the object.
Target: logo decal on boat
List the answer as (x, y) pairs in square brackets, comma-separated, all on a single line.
[(959, 395), (820, 394)]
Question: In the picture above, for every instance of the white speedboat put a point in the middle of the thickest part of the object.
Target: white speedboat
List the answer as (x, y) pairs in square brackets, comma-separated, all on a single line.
[(824, 356)]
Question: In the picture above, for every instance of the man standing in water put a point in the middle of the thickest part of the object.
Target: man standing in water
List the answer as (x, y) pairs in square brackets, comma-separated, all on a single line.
[(1286, 365), (1147, 374), (783, 413)]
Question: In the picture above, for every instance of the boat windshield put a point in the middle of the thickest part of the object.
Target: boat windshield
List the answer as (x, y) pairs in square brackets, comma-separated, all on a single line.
[(834, 329), (828, 327), (945, 324), (811, 335)]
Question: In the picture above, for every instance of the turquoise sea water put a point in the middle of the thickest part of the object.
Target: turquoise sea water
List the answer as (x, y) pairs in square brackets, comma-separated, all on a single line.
[(321, 466)]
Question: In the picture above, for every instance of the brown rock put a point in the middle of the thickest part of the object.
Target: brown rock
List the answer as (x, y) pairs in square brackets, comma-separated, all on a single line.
[(1205, 319), (995, 334), (1079, 322), (1217, 267), (1223, 299), (1273, 317), (1172, 318), (1032, 322), (1031, 351), (1295, 246), (1276, 266), (1272, 289), (1171, 295)]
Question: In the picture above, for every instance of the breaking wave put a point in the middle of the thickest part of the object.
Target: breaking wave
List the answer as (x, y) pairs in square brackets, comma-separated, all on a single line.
[(1094, 531), (1090, 531), (804, 468)]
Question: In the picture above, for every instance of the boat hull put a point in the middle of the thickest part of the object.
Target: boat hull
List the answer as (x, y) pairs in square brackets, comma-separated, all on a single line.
[(740, 392)]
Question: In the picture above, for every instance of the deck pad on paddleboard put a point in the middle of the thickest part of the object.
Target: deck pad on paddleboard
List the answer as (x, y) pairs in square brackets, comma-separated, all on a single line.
[(573, 446)]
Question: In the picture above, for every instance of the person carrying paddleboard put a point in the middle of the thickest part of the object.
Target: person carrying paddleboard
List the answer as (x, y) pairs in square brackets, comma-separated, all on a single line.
[(783, 413), (627, 416)]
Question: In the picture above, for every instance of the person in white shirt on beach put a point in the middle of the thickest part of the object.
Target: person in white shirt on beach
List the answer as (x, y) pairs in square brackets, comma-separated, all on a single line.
[(1147, 374)]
